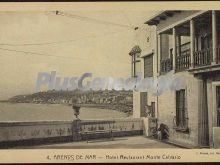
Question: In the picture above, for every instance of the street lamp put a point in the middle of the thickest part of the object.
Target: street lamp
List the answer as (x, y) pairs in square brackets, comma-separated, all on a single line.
[(76, 123), (75, 107), (76, 110)]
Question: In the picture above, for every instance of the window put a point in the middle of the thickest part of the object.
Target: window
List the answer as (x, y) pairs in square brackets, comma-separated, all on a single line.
[(171, 53), (181, 110), (136, 65), (143, 103), (218, 105), (218, 33), (152, 109), (165, 42), (148, 66), (135, 61), (206, 41)]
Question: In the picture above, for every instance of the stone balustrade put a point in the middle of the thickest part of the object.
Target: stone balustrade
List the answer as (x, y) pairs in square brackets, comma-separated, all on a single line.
[(31, 133)]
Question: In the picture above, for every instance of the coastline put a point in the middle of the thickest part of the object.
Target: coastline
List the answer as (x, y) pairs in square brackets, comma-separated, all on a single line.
[(120, 108)]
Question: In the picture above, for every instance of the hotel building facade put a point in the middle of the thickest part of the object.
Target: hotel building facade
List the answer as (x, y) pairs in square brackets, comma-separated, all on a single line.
[(185, 44)]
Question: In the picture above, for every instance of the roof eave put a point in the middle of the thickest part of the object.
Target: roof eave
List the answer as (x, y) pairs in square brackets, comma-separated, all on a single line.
[(155, 20)]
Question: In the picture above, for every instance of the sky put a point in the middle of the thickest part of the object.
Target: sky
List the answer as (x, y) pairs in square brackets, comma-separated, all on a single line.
[(68, 44)]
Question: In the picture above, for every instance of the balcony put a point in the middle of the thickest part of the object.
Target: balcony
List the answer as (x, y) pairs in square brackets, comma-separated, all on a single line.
[(205, 62), (183, 61), (166, 65), (203, 57), (199, 34)]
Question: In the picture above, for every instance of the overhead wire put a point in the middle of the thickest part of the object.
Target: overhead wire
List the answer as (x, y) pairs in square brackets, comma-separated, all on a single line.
[(43, 54), (38, 54), (83, 18), (71, 40), (60, 42)]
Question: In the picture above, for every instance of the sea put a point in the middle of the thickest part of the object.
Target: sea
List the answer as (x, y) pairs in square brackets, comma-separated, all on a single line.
[(52, 112)]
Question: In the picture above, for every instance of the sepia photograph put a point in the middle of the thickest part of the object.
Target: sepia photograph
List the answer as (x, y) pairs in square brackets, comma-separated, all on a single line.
[(110, 79)]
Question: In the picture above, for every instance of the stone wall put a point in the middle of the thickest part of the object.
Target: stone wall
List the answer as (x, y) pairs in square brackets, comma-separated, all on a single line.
[(136, 105), (165, 106), (32, 133), (167, 111), (11, 131)]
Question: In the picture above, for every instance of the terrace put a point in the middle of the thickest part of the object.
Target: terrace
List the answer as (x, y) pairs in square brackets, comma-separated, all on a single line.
[(67, 134), (132, 142)]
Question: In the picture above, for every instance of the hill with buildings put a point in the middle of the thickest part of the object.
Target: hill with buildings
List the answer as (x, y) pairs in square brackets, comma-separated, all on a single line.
[(115, 100)]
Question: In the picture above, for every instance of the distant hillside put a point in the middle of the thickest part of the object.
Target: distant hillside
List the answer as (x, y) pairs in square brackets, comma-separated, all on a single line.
[(116, 100)]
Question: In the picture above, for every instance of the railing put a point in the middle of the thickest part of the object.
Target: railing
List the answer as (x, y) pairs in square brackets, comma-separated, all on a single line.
[(166, 65), (121, 124), (203, 57), (183, 61), (95, 129)]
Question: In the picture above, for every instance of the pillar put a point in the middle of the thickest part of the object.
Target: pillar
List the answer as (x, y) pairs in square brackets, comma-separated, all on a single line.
[(132, 66), (203, 130), (174, 48), (192, 42), (179, 45), (158, 53), (214, 38)]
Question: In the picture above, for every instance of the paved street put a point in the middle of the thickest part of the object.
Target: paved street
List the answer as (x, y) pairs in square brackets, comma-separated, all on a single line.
[(133, 142)]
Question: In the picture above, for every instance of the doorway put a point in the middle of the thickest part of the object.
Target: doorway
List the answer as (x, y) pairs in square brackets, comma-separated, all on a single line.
[(203, 119), (218, 105), (143, 103)]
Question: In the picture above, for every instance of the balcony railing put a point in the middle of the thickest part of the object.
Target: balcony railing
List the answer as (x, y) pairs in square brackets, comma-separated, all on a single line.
[(166, 65), (183, 61), (203, 57)]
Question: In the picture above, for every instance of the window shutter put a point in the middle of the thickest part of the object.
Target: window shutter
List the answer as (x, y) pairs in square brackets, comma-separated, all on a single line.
[(148, 66)]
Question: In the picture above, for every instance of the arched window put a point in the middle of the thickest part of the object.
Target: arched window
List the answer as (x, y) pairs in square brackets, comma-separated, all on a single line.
[(135, 61)]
